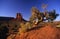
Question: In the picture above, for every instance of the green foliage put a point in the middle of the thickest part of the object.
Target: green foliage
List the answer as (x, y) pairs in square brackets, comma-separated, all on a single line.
[(3, 31), (52, 15), (23, 28), (14, 26), (28, 25)]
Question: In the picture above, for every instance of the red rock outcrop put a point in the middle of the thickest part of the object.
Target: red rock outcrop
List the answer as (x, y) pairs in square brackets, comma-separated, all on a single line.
[(47, 32), (19, 18)]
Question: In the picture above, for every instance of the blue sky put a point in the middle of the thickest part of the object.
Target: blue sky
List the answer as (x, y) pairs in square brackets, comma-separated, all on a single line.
[(11, 7)]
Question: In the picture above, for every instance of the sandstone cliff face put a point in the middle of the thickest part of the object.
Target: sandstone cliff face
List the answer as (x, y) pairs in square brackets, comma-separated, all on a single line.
[(47, 32)]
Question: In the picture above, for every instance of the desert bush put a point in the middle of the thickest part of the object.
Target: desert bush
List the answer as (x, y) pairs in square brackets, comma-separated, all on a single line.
[(23, 28), (13, 26), (28, 25)]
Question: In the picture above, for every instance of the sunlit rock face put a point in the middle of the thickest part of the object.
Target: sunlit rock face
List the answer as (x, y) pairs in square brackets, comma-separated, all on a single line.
[(47, 32)]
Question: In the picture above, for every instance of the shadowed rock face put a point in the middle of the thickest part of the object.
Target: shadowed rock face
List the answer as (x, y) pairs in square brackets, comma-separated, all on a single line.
[(3, 33), (19, 16), (47, 32)]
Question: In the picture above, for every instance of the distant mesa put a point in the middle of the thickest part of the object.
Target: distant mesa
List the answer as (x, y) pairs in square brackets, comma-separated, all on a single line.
[(6, 18), (18, 18)]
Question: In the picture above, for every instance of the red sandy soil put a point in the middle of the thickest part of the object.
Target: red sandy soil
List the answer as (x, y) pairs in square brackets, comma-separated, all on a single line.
[(46, 32)]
